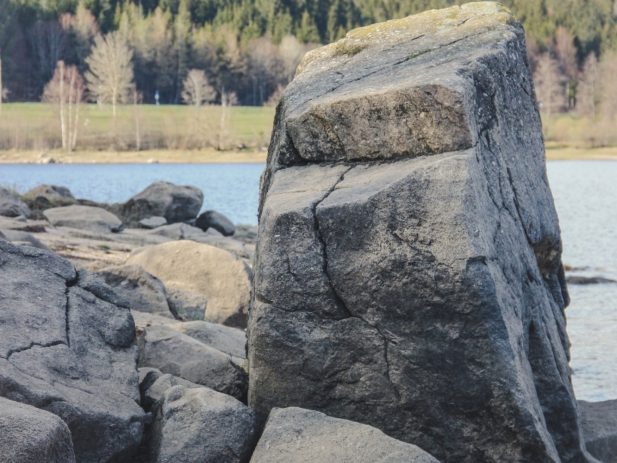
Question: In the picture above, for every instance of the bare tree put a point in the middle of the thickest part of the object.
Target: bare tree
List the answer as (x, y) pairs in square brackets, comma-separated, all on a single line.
[(566, 55), (3, 91), (608, 87), (589, 87), (110, 78), (197, 90), (549, 84), (66, 90)]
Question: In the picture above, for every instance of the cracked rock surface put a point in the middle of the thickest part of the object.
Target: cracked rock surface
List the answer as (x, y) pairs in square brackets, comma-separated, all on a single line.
[(65, 348), (408, 270)]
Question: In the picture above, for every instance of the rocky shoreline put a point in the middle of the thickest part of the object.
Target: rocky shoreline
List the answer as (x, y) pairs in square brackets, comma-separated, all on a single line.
[(401, 301)]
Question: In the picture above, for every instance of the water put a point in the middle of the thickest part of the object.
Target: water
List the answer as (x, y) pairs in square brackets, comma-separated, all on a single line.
[(232, 189), (585, 194)]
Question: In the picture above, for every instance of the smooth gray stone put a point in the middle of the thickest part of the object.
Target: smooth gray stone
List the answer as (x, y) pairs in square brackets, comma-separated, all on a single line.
[(295, 435), (30, 435), (22, 238), (88, 218), (408, 268), (152, 222), (11, 205), (216, 220)]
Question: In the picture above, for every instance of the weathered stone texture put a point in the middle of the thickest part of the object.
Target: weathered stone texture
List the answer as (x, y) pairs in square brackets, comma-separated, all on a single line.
[(408, 271)]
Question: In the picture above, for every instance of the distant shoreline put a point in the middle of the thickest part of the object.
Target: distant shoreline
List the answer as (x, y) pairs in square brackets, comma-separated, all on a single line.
[(232, 157)]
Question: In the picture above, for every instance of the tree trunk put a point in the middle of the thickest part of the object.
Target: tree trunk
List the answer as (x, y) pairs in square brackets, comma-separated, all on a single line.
[(62, 120)]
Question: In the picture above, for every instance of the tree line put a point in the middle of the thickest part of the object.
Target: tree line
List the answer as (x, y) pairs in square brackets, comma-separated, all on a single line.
[(246, 51)]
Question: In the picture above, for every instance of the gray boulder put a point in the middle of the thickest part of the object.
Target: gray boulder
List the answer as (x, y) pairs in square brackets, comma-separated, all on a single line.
[(152, 222), (199, 278), (199, 424), (29, 435), (173, 202), (599, 423), (142, 291), (295, 435), (47, 196), (67, 351), (408, 269), (94, 219), (216, 220), (11, 205), (153, 384), (178, 354)]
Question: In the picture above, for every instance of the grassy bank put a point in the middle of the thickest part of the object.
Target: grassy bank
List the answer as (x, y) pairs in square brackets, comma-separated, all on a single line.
[(36, 127)]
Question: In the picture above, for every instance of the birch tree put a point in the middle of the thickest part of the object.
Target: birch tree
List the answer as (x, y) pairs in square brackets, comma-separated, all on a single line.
[(197, 90), (110, 75), (66, 90)]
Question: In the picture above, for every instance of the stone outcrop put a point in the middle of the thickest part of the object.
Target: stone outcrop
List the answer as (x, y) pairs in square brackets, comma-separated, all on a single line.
[(200, 277), (294, 435), (217, 221), (44, 197), (29, 435), (408, 270), (599, 422), (199, 424), (11, 205), (176, 203), (94, 219), (66, 350)]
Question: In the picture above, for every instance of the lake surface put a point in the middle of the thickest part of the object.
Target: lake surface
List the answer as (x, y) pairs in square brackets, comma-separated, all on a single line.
[(585, 196)]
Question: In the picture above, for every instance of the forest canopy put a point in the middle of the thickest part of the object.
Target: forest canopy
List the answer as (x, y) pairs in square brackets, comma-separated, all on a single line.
[(248, 49)]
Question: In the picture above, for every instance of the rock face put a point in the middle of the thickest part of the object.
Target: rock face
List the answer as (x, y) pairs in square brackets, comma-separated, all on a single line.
[(408, 270), (11, 205), (29, 435), (163, 199), (295, 435), (199, 424), (197, 275), (89, 218), (67, 351), (599, 422), (216, 220)]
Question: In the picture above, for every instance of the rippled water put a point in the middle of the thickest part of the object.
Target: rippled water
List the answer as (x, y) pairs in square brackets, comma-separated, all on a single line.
[(585, 195)]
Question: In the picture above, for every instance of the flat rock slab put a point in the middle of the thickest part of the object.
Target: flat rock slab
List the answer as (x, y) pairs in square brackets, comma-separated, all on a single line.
[(89, 218), (408, 269), (295, 435), (29, 435), (65, 350)]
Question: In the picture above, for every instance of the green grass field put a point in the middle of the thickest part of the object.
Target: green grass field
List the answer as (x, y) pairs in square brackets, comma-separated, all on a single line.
[(36, 126)]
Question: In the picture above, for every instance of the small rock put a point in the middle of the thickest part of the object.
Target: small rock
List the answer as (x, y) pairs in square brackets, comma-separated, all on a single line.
[(201, 425), (216, 220), (152, 222), (295, 435), (30, 435), (11, 205), (599, 423), (587, 280), (88, 218), (174, 202), (153, 383)]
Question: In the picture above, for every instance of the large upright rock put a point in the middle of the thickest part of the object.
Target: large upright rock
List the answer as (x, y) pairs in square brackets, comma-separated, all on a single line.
[(408, 271), (176, 203), (66, 350)]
